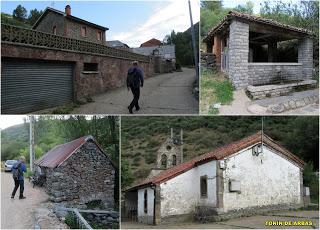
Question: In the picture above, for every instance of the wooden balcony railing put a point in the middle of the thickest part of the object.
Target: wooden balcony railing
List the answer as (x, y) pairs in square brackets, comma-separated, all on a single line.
[(22, 36)]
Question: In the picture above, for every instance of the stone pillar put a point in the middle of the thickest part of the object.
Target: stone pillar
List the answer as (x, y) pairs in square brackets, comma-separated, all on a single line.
[(305, 56), (272, 52), (157, 206), (219, 187), (238, 54)]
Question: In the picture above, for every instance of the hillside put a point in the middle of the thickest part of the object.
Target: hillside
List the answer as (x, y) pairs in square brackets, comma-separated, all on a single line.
[(142, 136), (8, 19)]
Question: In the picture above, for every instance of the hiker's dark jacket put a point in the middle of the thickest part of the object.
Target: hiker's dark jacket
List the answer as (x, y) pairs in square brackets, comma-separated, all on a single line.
[(138, 79)]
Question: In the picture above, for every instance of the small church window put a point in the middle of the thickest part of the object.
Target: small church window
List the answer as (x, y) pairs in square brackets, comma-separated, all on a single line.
[(146, 201), (203, 187), (164, 161), (168, 147), (54, 30), (174, 160)]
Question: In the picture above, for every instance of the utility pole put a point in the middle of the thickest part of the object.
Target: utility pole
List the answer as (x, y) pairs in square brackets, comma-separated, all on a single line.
[(31, 140), (193, 42)]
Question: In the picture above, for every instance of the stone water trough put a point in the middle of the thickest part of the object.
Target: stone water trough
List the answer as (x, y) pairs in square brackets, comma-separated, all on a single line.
[(276, 90)]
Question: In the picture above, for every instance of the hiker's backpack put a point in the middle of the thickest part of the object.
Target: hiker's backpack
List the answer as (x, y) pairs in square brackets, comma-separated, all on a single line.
[(16, 171), (132, 79)]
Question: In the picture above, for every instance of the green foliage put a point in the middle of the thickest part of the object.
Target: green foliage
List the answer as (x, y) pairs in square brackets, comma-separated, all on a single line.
[(34, 15), (20, 13), (312, 181), (247, 8), (203, 134), (71, 221), (8, 19)]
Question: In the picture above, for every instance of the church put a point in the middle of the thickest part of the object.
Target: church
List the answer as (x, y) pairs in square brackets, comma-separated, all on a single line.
[(249, 176)]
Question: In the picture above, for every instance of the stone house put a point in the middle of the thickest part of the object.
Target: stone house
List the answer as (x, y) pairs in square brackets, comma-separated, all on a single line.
[(64, 24), (78, 172), (252, 175), (151, 42), (246, 49)]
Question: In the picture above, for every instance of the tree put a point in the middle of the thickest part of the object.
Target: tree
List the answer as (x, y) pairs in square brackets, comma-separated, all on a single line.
[(33, 16), (20, 13), (212, 5), (247, 8)]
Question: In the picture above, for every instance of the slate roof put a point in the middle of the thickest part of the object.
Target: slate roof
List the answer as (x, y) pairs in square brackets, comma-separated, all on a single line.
[(48, 9), (165, 51), (116, 43), (56, 156), (218, 154), (251, 18)]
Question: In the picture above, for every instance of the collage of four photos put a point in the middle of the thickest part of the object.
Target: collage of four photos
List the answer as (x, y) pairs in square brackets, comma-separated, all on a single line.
[(177, 114)]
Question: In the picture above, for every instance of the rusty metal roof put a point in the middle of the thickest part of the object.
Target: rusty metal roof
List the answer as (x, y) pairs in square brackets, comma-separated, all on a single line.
[(253, 18), (56, 156), (218, 154)]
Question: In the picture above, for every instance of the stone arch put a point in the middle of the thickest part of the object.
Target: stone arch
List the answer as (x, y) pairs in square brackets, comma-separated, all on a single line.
[(164, 160)]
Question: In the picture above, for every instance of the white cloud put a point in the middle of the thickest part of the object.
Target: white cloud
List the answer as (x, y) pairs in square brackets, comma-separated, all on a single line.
[(174, 15)]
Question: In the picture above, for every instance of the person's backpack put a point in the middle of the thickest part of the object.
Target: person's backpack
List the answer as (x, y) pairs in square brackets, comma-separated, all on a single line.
[(133, 79), (16, 171)]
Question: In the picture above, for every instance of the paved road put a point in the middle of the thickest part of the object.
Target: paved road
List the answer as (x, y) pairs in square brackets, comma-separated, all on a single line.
[(257, 222), (163, 94), (17, 213)]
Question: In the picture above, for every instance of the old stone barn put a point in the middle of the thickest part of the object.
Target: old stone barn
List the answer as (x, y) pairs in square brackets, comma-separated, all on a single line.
[(252, 175), (253, 50), (78, 172), (62, 59)]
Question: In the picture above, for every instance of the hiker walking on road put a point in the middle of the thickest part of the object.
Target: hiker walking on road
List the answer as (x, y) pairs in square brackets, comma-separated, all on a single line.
[(17, 172), (134, 82)]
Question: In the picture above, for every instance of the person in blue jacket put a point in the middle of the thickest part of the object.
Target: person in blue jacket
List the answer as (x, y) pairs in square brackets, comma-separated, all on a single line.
[(17, 172), (134, 82)]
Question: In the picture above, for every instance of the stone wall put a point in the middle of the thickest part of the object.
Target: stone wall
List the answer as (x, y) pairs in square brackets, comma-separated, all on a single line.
[(74, 31), (305, 56), (112, 72), (50, 20), (169, 149), (86, 176), (105, 220), (268, 73), (238, 53)]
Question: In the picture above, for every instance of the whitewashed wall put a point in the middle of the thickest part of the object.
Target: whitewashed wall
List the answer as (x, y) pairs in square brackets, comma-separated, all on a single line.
[(181, 194), (268, 179), (142, 216)]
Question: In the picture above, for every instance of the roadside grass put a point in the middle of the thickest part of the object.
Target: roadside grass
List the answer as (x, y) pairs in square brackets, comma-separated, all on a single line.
[(215, 88)]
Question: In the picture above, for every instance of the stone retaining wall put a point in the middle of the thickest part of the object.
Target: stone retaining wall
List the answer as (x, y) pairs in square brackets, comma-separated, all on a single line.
[(267, 73), (106, 220)]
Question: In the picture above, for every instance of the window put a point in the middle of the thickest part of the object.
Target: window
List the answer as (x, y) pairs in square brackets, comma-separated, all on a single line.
[(99, 36), (203, 187), (54, 30), (164, 161), (174, 160), (84, 31), (145, 201), (90, 67)]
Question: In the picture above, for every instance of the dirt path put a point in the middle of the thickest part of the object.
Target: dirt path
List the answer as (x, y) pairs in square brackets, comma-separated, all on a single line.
[(163, 94), (17, 213), (257, 222)]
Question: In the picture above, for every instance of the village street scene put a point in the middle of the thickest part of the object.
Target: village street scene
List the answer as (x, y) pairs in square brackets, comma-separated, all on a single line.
[(110, 57), (59, 172), (259, 57), (220, 172)]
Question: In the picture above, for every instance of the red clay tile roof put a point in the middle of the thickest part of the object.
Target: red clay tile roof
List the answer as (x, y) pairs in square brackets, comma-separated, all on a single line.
[(151, 42), (56, 156), (233, 14), (218, 154)]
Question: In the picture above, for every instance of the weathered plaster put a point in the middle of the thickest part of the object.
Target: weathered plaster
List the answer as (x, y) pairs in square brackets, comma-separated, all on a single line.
[(267, 179), (143, 217), (180, 195)]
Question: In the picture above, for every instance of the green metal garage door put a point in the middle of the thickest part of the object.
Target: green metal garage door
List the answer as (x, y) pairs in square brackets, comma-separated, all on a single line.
[(28, 86)]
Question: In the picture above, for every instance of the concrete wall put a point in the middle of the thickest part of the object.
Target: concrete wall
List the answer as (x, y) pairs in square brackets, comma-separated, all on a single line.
[(143, 217), (238, 54), (86, 176), (305, 56), (181, 194), (50, 20), (266, 73), (112, 72), (267, 179)]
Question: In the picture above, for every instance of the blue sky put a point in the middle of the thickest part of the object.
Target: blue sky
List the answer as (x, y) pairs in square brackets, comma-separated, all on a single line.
[(132, 22)]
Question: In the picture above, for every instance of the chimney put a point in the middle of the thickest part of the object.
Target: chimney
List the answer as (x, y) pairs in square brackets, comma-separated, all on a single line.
[(67, 10)]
